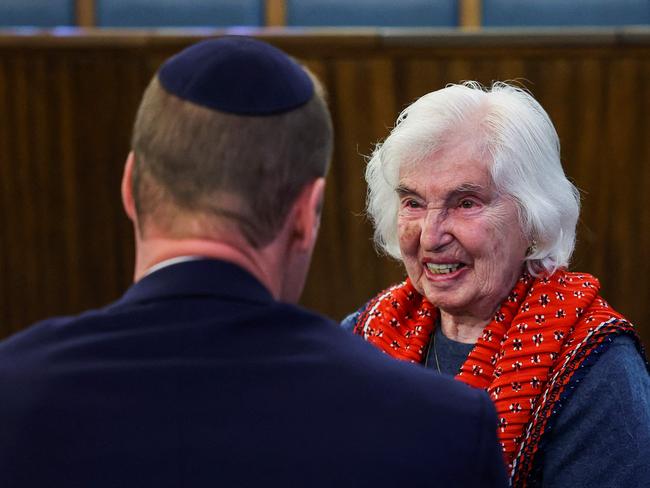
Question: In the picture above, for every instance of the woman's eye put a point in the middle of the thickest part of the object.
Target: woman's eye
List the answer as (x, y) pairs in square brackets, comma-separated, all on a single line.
[(411, 204)]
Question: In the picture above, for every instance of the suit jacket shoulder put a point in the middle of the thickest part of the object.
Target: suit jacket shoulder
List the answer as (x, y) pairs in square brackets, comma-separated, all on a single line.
[(197, 375)]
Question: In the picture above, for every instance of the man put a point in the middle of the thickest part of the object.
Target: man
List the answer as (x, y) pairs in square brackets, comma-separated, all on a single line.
[(204, 373)]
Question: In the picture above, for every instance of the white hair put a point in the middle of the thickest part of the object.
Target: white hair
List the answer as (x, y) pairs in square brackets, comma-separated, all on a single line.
[(523, 152)]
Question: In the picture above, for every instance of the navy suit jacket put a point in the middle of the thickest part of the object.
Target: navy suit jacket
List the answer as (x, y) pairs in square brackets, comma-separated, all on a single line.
[(198, 377)]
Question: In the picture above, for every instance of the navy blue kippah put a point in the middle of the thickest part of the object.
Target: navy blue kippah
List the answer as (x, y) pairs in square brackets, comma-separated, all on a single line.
[(238, 75)]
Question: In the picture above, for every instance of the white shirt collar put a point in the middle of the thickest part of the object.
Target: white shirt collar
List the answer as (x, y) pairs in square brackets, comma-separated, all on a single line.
[(170, 262)]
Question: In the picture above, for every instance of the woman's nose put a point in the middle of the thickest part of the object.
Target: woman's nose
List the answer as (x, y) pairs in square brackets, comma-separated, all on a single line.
[(435, 230)]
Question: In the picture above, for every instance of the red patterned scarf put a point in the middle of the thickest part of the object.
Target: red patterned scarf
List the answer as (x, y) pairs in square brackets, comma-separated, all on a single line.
[(528, 354)]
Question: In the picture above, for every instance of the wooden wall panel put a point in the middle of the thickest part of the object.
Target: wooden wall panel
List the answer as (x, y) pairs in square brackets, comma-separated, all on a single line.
[(67, 105)]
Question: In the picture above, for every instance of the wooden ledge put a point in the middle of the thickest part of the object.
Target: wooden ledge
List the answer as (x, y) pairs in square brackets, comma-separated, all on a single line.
[(332, 37)]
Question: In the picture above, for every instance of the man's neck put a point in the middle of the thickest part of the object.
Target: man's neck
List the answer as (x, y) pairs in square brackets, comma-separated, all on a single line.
[(154, 251)]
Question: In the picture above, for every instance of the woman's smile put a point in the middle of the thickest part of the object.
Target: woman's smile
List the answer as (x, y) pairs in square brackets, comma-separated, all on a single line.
[(444, 269), (444, 274)]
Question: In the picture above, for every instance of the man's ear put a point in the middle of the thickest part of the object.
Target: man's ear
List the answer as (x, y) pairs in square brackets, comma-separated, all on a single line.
[(307, 213), (127, 188)]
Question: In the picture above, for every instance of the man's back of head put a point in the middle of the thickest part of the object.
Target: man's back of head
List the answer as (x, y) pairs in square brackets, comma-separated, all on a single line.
[(204, 372), (228, 134)]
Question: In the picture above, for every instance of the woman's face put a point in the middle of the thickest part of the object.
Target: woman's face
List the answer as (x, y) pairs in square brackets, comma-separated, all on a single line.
[(461, 241)]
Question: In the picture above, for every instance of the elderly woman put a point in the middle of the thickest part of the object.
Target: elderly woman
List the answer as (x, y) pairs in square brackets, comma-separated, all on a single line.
[(469, 193)]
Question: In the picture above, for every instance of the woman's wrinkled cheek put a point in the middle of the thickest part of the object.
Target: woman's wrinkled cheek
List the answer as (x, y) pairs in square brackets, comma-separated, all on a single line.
[(409, 237), (409, 243)]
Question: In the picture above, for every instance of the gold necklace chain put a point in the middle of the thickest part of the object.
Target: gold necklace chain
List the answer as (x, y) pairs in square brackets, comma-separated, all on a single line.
[(435, 353)]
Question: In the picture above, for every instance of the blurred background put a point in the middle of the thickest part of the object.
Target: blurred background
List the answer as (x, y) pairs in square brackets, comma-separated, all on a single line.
[(72, 73)]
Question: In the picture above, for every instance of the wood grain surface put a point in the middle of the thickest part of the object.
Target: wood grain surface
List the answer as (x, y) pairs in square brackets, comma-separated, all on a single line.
[(67, 104)]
